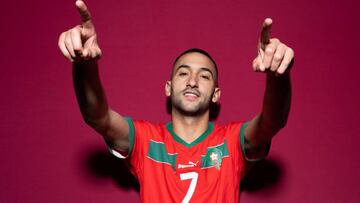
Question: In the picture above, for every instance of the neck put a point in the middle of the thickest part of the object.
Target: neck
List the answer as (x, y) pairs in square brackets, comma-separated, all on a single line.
[(189, 128)]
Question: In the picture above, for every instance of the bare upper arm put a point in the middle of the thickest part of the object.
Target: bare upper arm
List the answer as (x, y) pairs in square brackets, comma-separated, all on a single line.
[(115, 130)]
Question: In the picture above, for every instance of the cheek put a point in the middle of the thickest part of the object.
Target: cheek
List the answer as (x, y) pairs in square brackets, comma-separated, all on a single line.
[(208, 88), (176, 86)]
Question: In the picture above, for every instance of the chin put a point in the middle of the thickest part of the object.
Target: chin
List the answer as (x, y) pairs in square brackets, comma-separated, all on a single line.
[(194, 112), (194, 108)]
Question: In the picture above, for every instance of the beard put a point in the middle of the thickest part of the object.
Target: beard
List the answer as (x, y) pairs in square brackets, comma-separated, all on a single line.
[(193, 110)]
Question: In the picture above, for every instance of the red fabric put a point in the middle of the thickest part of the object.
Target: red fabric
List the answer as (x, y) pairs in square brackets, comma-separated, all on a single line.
[(46, 149), (160, 183)]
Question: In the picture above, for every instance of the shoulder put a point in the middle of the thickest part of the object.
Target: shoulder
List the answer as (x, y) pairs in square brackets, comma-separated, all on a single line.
[(148, 128), (230, 131), (145, 125), (229, 127)]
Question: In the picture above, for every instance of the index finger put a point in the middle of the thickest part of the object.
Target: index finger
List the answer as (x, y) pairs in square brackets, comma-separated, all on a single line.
[(84, 13), (265, 32)]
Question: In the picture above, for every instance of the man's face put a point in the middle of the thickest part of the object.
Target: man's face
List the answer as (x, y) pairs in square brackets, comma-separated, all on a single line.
[(192, 87)]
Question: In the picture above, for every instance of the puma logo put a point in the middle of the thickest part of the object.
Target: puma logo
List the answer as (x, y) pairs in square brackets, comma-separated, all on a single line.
[(189, 165)]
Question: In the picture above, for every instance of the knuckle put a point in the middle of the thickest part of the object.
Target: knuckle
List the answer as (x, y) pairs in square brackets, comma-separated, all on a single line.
[(67, 42), (72, 31), (282, 46), (278, 57), (88, 33), (269, 50), (76, 30), (276, 40), (62, 35), (291, 51)]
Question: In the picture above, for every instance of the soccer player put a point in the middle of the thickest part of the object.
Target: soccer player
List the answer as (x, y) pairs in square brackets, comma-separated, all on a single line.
[(189, 159)]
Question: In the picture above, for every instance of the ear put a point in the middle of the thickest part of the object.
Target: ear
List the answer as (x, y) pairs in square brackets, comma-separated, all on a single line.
[(168, 88), (216, 95)]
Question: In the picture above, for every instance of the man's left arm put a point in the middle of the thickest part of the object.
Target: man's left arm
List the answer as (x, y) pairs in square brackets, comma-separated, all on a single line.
[(275, 59)]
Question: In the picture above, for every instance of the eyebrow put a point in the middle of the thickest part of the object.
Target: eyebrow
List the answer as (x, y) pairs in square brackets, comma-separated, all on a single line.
[(188, 67)]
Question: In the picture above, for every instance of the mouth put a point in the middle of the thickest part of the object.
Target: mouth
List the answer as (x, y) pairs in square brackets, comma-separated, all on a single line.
[(191, 94)]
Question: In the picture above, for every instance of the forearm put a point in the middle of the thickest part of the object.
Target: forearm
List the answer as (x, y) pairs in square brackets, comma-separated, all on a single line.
[(89, 92), (276, 104), (275, 59)]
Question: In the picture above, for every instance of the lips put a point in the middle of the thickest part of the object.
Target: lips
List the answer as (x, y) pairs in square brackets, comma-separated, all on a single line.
[(191, 93)]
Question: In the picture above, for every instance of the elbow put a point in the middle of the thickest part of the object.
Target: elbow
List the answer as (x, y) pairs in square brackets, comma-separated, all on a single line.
[(281, 124), (90, 122), (272, 127), (97, 124)]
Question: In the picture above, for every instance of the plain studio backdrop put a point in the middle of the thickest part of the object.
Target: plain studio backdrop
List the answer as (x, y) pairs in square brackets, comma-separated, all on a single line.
[(48, 154)]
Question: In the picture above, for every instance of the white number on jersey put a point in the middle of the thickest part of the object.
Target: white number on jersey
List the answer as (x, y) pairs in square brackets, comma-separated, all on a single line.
[(194, 177)]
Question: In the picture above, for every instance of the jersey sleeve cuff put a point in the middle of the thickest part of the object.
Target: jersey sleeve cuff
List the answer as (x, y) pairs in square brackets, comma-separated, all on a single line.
[(122, 154)]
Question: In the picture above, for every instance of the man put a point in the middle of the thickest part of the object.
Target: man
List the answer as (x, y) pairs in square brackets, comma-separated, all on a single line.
[(189, 159)]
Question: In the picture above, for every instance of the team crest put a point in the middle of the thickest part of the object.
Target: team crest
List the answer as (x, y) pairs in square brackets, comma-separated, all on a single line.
[(214, 156)]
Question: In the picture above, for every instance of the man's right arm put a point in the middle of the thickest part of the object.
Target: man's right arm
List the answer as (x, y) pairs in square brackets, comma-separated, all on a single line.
[(80, 46)]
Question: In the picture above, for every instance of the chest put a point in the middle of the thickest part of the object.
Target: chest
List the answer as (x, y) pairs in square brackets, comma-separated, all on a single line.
[(180, 158)]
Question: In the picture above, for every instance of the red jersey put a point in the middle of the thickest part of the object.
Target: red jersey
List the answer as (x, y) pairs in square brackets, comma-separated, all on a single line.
[(170, 170)]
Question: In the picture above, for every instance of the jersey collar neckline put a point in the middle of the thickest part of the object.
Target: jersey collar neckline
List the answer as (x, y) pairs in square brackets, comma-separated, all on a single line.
[(202, 137)]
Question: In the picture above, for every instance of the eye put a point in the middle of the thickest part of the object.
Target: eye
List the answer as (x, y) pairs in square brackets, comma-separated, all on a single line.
[(206, 77), (182, 74)]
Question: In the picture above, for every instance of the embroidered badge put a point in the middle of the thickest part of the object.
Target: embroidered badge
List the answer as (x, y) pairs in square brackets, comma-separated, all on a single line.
[(214, 155)]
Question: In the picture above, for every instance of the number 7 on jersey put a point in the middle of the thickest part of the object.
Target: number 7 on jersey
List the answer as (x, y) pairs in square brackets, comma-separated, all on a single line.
[(194, 177)]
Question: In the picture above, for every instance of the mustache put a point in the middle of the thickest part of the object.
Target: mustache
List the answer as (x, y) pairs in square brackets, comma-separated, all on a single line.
[(191, 90)]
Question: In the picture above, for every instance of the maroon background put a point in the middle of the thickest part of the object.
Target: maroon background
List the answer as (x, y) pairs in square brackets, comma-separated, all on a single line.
[(48, 154)]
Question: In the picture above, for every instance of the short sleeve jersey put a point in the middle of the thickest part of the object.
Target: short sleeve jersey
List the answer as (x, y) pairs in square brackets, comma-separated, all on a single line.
[(171, 170)]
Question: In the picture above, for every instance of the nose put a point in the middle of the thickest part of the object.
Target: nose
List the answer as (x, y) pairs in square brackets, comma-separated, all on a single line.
[(192, 81)]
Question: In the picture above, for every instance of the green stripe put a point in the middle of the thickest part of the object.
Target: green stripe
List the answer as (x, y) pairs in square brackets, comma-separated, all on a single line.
[(131, 133), (242, 138), (158, 153)]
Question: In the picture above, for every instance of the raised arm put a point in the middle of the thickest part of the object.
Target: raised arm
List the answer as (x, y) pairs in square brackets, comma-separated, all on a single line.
[(80, 46), (275, 60)]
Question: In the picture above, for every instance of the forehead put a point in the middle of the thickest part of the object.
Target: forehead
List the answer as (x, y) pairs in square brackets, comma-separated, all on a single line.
[(196, 60)]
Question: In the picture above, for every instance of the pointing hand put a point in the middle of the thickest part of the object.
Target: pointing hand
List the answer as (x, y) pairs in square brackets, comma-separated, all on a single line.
[(80, 42), (273, 55)]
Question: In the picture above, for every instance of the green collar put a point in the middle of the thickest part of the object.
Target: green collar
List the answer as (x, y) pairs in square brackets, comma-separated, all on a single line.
[(210, 128)]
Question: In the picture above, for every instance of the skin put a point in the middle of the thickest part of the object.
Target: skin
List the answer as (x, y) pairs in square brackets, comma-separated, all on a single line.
[(79, 45), (191, 88)]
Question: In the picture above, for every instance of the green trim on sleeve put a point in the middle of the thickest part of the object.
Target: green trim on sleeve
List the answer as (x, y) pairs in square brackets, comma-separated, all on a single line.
[(242, 138), (131, 133), (251, 148)]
